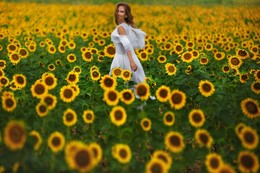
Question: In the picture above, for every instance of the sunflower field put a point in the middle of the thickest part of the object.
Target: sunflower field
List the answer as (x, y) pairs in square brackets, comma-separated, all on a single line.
[(61, 111)]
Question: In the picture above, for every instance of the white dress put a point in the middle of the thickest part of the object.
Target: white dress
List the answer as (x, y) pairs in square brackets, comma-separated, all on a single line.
[(134, 38)]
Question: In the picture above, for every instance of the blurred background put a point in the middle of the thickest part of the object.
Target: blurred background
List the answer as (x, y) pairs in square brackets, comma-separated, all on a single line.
[(163, 2)]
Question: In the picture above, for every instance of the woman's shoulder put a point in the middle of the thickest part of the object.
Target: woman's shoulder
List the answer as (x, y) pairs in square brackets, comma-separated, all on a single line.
[(124, 25)]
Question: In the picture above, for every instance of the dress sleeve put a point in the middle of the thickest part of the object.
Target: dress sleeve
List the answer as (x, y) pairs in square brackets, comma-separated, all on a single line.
[(125, 42)]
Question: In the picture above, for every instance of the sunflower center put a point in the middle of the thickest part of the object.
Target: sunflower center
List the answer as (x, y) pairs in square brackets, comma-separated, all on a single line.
[(187, 56), (146, 124), (143, 55), (235, 61), (127, 96), (118, 115), (204, 138), (117, 72), (108, 82), (72, 77), (176, 98), (9, 102), (69, 116), (171, 69), (20, 80), (89, 116), (82, 158), (68, 93), (251, 107), (112, 96), (162, 157), (56, 141), (2, 64), (42, 108), (178, 48), (16, 133), (88, 55), (156, 168), (12, 47), (3, 81), (95, 74), (49, 81), (226, 68), (206, 87), (242, 53), (123, 153), (39, 89), (169, 118), (249, 137), (203, 60), (141, 90), (126, 74), (214, 163), (111, 50), (196, 117), (163, 93), (48, 100), (175, 141), (247, 161), (23, 52), (256, 86)]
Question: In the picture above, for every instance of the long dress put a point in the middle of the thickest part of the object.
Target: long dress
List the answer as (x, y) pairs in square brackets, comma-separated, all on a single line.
[(134, 38)]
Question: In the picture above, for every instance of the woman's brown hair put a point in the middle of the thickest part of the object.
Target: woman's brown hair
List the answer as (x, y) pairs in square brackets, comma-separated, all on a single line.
[(130, 18)]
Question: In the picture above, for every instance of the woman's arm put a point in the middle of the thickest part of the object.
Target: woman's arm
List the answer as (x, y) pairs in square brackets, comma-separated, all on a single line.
[(121, 31)]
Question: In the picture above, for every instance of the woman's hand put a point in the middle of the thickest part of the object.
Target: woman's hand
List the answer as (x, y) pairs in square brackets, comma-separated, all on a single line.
[(133, 66)]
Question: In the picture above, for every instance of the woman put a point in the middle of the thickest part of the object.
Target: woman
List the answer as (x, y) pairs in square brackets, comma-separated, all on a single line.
[(126, 38)]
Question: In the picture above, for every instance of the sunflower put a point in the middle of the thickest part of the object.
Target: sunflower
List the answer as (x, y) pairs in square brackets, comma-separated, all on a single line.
[(170, 69), (110, 50), (69, 117), (42, 109), (88, 116), (72, 77), (39, 89), (77, 69), (177, 99), (163, 93), (143, 91), (143, 55), (168, 118), (178, 48), (238, 128), (116, 72), (257, 75), (187, 57), (51, 67), (108, 82), (19, 80), (242, 53), (162, 59), (146, 124), (71, 58), (51, 49), (111, 97), (127, 96), (249, 137), (243, 77), (204, 60), (67, 94), (118, 115), (15, 135), (219, 55), (94, 67), (250, 108), (196, 118), (208, 47), (95, 75), (87, 56), (255, 87), (174, 141), (37, 139), (56, 141), (163, 156), (203, 138), (247, 162), (14, 58), (75, 88), (168, 46), (195, 54), (97, 151), (122, 153), (206, 88), (71, 45), (2, 64), (226, 69), (235, 62), (213, 162), (225, 168), (126, 75), (4, 81), (12, 47), (49, 80), (23, 52), (156, 165), (8, 102)]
